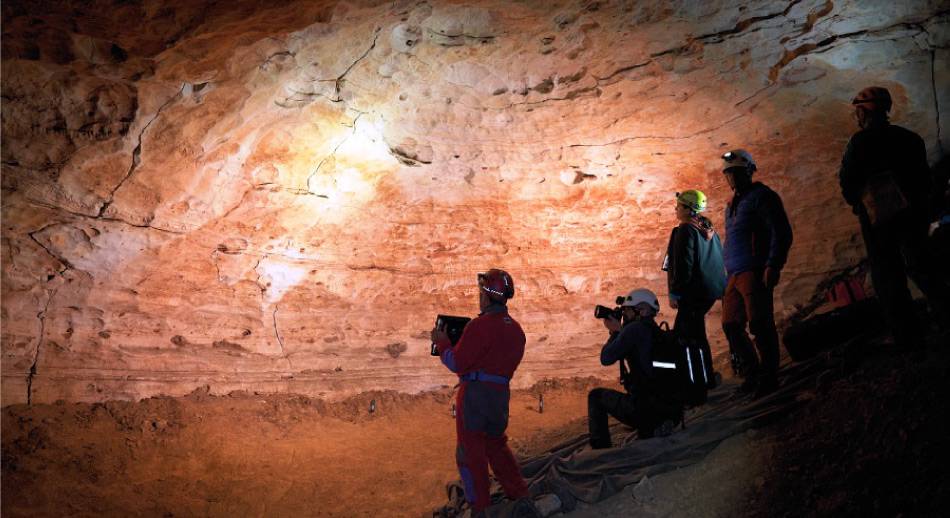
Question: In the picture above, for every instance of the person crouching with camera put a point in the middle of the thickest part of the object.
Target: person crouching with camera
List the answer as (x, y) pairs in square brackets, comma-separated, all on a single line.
[(485, 359), (642, 406)]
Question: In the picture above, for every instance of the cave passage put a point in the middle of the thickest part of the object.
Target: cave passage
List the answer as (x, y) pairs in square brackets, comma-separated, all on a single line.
[(229, 222)]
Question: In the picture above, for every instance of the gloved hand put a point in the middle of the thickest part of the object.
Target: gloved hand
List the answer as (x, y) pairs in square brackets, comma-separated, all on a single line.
[(437, 335), (612, 324), (771, 277)]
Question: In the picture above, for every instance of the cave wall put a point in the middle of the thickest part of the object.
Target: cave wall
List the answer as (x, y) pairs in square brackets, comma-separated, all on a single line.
[(281, 198)]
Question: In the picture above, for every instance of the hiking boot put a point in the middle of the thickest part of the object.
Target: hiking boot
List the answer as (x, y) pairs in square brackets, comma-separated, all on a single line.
[(665, 429), (736, 364)]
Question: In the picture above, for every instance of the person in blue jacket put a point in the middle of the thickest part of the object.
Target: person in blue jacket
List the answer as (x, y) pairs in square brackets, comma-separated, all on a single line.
[(758, 237)]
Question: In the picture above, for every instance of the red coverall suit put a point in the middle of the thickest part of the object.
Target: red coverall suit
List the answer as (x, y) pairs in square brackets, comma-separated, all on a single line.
[(485, 359)]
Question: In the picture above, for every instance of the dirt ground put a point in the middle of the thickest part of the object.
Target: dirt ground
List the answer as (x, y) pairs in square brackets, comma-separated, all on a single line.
[(874, 441), (255, 455), (870, 440)]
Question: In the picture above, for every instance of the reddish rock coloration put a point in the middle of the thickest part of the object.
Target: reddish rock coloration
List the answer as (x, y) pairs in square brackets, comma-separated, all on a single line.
[(280, 198)]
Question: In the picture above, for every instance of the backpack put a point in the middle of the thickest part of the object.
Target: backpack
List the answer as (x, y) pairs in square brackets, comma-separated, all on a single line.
[(883, 198), (682, 367)]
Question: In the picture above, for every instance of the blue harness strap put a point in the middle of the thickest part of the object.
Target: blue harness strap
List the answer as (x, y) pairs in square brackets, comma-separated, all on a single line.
[(481, 376)]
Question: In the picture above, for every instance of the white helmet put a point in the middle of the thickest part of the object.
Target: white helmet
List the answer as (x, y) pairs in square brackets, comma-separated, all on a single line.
[(738, 158), (639, 296)]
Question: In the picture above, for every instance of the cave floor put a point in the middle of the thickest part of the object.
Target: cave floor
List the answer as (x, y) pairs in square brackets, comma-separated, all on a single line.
[(870, 439), (255, 455)]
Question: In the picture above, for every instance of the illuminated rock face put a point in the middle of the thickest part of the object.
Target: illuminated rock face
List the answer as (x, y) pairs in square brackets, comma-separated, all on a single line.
[(282, 198)]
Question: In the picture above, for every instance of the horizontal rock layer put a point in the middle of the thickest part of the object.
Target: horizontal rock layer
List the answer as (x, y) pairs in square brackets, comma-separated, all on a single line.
[(281, 198)]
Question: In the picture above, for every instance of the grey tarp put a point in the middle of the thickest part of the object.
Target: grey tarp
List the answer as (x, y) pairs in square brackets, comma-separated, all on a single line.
[(593, 475)]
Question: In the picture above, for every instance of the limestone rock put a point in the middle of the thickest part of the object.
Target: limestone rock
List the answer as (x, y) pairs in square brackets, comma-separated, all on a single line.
[(404, 37), (281, 198), (457, 25)]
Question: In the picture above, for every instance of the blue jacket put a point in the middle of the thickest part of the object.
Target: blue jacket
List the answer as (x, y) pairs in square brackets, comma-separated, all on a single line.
[(757, 231)]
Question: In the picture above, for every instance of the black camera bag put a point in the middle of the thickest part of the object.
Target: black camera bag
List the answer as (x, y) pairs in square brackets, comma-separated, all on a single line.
[(682, 368)]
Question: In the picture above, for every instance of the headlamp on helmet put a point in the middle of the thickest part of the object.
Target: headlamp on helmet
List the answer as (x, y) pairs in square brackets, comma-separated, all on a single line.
[(873, 98), (738, 158), (498, 284)]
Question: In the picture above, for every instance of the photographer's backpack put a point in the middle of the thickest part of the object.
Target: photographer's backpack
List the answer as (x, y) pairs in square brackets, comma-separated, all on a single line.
[(681, 366)]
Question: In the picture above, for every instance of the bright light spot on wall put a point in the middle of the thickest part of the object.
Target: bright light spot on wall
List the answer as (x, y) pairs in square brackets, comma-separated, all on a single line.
[(351, 181), (278, 276), (361, 155), (366, 144)]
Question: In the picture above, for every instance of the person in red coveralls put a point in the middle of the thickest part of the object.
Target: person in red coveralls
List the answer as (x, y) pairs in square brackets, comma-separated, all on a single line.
[(485, 359)]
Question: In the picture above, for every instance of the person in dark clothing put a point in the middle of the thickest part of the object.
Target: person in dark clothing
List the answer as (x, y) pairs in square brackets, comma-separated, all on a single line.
[(758, 237), (641, 406), (694, 270), (485, 359), (885, 178), (939, 228)]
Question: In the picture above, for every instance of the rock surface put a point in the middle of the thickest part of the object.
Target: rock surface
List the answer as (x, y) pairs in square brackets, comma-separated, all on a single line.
[(281, 198)]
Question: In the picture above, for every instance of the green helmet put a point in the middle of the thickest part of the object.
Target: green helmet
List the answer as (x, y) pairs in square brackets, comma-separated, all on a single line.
[(693, 199)]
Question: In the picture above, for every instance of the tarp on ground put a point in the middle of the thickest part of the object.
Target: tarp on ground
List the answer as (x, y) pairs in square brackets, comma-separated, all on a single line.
[(593, 475)]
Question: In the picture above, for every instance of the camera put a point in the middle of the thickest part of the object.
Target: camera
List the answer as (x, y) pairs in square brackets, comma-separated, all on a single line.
[(605, 312), (453, 326)]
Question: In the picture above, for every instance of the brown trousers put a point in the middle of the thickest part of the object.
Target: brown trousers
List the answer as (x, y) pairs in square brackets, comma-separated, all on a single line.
[(748, 300)]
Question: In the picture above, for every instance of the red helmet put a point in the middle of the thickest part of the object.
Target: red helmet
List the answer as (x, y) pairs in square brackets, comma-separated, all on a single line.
[(497, 284)]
